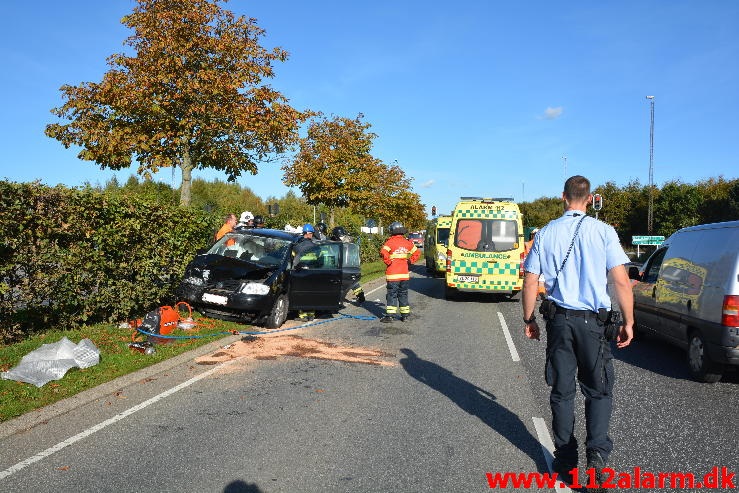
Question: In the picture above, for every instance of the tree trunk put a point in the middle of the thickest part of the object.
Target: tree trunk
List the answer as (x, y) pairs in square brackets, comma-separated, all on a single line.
[(186, 186)]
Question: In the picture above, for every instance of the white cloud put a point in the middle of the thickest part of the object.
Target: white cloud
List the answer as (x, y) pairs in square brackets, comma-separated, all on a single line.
[(552, 113), (427, 184)]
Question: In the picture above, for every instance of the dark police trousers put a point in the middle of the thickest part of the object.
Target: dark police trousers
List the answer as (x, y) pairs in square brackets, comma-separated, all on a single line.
[(576, 346)]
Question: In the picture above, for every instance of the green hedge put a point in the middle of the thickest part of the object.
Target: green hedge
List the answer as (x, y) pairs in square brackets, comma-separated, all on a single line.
[(75, 256)]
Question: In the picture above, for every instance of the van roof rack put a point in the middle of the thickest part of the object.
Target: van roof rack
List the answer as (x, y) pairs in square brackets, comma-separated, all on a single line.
[(492, 199)]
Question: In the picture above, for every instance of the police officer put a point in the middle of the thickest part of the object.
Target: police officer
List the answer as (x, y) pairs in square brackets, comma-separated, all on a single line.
[(575, 254)]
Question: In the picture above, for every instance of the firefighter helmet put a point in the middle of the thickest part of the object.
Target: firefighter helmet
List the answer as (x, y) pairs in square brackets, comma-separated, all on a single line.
[(397, 228), (338, 233)]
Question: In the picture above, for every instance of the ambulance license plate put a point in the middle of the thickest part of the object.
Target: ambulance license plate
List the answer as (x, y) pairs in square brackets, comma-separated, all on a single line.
[(468, 278), (214, 298)]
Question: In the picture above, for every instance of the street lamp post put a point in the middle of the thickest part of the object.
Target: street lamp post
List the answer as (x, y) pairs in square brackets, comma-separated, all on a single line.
[(650, 214)]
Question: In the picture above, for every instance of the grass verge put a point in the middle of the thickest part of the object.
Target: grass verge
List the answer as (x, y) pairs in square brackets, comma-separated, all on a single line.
[(116, 358)]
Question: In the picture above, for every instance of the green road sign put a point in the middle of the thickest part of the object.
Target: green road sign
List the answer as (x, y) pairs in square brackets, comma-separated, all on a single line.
[(647, 240)]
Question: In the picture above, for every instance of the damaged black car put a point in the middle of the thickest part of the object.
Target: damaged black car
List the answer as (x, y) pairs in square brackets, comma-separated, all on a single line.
[(253, 276)]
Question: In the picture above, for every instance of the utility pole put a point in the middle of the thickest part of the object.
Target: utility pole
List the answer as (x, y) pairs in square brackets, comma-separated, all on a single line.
[(564, 170), (650, 214)]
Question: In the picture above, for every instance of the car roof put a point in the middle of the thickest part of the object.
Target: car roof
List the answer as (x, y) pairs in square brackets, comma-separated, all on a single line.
[(269, 233)]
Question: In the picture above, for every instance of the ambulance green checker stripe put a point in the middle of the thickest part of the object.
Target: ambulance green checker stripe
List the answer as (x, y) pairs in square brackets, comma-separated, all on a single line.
[(490, 285), (475, 267), (486, 213)]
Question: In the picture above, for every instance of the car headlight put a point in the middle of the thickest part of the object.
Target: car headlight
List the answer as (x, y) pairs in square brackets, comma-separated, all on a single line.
[(197, 281), (441, 257), (254, 288)]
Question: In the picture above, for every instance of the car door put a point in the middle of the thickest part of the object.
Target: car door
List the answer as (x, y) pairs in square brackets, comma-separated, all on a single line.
[(645, 293), (316, 278), (350, 267)]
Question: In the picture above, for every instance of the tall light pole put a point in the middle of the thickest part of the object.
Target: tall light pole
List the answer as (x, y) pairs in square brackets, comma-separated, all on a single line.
[(564, 158), (650, 214)]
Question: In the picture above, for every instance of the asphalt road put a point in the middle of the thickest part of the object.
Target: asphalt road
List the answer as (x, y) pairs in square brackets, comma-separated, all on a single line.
[(461, 398)]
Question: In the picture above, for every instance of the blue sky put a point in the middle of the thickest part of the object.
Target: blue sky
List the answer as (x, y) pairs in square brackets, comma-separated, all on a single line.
[(480, 97)]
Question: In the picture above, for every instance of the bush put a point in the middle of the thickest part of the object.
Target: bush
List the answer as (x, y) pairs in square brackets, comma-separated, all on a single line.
[(74, 256)]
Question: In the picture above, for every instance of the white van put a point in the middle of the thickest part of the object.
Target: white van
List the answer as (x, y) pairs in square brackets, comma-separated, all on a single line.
[(688, 293)]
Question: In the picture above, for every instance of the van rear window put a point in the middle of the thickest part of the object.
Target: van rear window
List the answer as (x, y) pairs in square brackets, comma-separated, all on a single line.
[(486, 235)]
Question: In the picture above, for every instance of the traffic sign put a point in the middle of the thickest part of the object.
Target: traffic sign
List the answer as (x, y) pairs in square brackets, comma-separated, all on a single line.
[(647, 240)]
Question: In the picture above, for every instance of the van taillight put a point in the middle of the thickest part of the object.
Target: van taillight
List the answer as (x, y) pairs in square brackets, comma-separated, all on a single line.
[(730, 311), (520, 266), (448, 260)]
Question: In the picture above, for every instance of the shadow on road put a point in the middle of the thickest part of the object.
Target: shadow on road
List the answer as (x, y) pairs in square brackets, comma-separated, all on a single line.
[(477, 402), (659, 357), (239, 486)]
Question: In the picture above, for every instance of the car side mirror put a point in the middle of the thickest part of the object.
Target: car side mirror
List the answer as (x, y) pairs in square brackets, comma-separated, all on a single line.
[(634, 273)]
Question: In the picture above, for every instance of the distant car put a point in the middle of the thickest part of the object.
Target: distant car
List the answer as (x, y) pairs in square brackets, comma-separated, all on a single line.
[(417, 239), (252, 276)]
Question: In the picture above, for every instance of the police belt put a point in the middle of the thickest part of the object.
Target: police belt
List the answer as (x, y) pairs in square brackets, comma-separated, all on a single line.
[(576, 313)]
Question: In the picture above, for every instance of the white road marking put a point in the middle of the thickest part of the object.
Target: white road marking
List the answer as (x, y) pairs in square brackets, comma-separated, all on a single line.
[(84, 434), (509, 339), (547, 447)]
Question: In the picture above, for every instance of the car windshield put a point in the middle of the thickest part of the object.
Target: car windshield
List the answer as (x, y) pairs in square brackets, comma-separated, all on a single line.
[(253, 248), (486, 235), (442, 235)]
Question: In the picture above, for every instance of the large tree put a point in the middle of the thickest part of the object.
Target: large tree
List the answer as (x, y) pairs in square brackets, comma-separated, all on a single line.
[(335, 167), (190, 94)]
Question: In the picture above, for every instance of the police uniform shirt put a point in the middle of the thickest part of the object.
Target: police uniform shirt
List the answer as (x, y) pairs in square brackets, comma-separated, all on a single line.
[(582, 284)]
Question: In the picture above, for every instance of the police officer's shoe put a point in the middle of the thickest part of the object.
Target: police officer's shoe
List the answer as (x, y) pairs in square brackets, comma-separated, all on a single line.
[(386, 319), (404, 317), (596, 462), (563, 466), (360, 297)]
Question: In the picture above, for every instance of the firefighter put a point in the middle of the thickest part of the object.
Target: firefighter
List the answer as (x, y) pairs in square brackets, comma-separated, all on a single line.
[(395, 253), (303, 246), (340, 234), (321, 232)]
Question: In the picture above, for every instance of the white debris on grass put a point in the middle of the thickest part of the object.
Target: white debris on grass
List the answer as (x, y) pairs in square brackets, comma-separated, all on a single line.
[(52, 361)]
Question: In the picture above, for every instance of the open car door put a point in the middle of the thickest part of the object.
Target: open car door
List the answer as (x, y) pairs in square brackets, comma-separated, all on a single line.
[(316, 279), (350, 267)]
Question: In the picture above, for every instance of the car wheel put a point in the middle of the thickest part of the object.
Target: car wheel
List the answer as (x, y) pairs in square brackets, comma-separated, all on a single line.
[(278, 315), (702, 368)]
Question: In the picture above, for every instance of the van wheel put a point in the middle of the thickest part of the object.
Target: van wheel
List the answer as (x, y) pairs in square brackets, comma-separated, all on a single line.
[(278, 315), (701, 367)]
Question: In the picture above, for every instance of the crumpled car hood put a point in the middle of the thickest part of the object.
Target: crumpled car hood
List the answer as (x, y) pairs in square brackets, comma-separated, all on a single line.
[(215, 268)]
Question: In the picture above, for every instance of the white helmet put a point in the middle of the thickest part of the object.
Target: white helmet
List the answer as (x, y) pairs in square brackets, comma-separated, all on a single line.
[(246, 216)]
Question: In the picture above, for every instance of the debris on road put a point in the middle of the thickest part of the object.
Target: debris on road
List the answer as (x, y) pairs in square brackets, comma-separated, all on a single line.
[(293, 345)]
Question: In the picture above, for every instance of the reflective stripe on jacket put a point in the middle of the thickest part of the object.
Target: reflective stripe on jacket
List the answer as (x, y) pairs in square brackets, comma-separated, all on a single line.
[(395, 253)]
